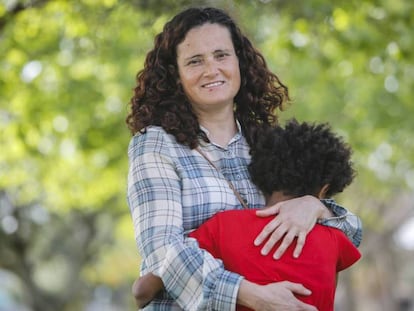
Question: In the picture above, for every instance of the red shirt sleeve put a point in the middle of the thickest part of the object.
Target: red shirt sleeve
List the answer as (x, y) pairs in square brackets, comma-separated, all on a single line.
[(348, 254)]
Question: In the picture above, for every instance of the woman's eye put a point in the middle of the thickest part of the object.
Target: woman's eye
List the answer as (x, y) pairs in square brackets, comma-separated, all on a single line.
[(221, 55), (194, 62)]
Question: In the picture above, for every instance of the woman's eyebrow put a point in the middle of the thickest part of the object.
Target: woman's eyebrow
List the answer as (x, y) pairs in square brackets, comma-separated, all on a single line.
[(193, 56), (223, 50), (214, 52)]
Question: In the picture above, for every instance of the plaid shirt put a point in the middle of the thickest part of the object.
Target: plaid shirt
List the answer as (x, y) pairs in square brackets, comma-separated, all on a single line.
[(171, 191)]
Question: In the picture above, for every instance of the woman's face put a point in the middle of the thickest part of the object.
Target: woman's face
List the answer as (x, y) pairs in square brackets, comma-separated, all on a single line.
[(208, 67)]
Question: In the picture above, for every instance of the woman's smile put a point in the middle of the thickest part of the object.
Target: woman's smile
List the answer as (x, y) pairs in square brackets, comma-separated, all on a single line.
[(213, 84)]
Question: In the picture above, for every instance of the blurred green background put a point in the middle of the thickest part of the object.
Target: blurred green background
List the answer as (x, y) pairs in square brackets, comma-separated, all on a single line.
[(67, 69)]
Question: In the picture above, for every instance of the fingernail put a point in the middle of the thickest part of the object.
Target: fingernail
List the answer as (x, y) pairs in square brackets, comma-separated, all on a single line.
[(276, 256)]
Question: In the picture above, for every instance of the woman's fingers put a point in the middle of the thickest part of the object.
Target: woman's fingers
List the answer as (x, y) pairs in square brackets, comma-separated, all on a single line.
[(297, 288), (275, 231), (269, 229), (273, 296), (268, 211), (284, 294), (300, 243), (295, 218), (287, 240)]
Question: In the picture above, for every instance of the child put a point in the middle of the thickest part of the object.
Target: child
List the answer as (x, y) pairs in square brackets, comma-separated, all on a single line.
[(300, 159)]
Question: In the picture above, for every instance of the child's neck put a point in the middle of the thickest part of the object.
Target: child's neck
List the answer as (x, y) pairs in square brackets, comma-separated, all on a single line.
[(277, 196)]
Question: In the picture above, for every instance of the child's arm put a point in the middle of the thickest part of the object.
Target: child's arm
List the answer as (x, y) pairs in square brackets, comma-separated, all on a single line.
[(145, 288)]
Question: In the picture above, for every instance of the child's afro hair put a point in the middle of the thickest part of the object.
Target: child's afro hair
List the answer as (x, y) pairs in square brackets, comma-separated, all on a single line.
[(300, 159)]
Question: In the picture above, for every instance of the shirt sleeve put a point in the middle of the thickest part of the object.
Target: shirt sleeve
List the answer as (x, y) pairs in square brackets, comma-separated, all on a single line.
[(344, 220), (191, 276), (348, 254)]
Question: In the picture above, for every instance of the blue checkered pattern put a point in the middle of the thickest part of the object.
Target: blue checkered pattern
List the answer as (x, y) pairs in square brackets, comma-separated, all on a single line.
[(171, 191), (349, 223)]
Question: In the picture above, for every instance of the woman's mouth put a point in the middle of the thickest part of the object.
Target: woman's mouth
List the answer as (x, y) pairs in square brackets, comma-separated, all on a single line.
[(213, 84)]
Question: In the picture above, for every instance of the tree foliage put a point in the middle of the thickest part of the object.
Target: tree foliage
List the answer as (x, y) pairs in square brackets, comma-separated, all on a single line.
[(67, 71)]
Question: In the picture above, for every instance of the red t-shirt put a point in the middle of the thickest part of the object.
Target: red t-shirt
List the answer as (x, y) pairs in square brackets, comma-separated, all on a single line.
[(229, 235)]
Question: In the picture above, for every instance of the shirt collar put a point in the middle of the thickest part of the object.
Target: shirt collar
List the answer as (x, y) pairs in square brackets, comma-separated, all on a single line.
[(235, 137)]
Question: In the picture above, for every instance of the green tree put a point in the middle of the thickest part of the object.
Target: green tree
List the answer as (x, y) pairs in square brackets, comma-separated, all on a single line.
[(66, 75)]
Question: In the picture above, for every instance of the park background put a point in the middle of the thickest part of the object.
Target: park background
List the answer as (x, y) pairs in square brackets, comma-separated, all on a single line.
[(67, 70)]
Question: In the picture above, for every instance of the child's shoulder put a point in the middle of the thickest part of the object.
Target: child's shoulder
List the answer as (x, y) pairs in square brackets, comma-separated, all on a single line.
[(236, 214)]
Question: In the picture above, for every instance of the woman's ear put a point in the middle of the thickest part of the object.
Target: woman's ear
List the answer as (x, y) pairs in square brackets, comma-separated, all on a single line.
[(323, 191)]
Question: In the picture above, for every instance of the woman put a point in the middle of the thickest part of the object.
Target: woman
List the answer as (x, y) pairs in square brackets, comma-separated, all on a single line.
[(203, 95)]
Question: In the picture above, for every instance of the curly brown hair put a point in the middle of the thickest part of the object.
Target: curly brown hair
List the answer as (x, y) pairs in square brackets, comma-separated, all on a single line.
[(160, 100), (300, 159)]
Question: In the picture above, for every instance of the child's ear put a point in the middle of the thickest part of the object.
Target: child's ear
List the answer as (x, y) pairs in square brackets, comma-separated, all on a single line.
[(323, 191)]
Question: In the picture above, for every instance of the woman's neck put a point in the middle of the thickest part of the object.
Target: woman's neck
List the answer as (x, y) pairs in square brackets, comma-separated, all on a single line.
[(221, 128)]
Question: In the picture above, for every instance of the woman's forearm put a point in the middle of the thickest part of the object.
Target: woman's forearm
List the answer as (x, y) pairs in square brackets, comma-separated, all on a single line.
[(247, 295), (278, 296)]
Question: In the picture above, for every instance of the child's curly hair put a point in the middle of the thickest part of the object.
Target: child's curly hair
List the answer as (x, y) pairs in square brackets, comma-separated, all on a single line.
[(300, 159)]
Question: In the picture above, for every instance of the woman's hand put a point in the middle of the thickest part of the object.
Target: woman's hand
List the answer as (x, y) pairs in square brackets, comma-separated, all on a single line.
[(275, 296), (296, 217)]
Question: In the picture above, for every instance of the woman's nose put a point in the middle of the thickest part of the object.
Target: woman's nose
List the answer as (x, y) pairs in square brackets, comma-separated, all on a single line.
[(211, 68)]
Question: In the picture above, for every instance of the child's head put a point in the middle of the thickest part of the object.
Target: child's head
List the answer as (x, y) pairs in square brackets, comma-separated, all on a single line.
[(301, 159)]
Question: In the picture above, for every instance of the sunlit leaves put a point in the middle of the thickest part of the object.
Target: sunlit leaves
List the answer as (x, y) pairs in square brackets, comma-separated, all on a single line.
[(348, 66), (340, 19), (72, 99), (67, 70)]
